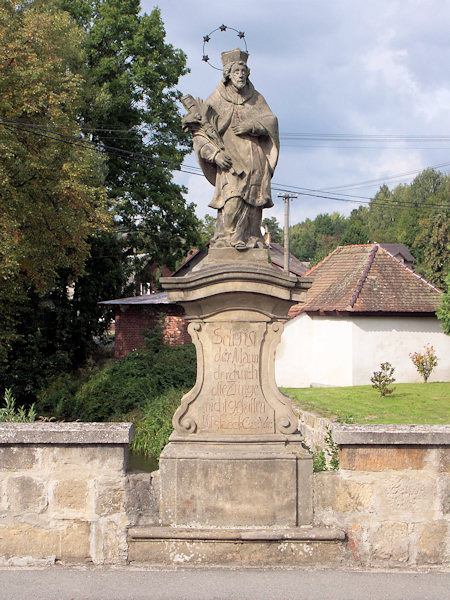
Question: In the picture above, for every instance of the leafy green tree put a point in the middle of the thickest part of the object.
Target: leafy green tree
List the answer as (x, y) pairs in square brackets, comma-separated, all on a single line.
[(207, 227), (273, 227), (130, 110), (356, 228), (443, 312), (58, 331), (51, 196)]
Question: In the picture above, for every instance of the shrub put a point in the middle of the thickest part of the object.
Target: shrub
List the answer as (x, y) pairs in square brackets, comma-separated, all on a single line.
[(112, 390), (327, 458), (11, 414), (154, 422), (382, 379), (425, 362)]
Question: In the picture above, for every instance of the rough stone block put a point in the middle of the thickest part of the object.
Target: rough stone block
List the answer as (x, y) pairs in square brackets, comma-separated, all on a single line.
[(24, 540), (91, 458), (176, 552), (445, 494), (332, 492), (445, 460), (71, 494), (382, 458), (75, 541), (142, 498), (390, 542), (114, 541), (17, 458), (236, 484), (26, 494), (431, 543), (407, 496), (109, 497)]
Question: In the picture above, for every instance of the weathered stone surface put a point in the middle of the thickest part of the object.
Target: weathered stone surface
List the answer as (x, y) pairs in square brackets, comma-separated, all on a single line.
[(445, 494), (142, 498), (445, 460), (109, 498), (239, 553), (87, 460), (66, 433), (17, 458), (404, 495), (23, 540), (75, 541), (331, 492), (26, 494), (238, 484), (71, 494), (382, 458), (389, 435), (390, 542), (431, 542)]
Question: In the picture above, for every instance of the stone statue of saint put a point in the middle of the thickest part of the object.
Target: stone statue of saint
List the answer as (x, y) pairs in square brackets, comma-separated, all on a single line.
[(236, 142)]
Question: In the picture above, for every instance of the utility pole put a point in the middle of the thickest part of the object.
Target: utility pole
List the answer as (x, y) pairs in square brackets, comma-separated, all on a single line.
[(287, 252)]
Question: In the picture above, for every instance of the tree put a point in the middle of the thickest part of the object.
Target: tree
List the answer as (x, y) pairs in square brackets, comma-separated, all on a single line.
[(51, 195), (356, 228), (131, 111), (57, 330), (443, 312), (273, 227)]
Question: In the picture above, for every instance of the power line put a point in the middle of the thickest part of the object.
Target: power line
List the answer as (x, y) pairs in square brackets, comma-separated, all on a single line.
[(194, 170)]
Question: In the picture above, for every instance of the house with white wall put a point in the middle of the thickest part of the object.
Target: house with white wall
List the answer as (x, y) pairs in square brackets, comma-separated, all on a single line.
[(365, 307)]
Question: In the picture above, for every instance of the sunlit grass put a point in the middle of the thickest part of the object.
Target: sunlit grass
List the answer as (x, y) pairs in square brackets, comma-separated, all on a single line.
[(420, 403)]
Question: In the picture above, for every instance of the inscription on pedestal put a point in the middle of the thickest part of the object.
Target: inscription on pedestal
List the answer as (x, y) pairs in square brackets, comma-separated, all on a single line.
[(231, 400)]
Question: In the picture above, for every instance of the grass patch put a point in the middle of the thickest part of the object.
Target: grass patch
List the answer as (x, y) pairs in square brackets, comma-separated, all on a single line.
[(411, 403)]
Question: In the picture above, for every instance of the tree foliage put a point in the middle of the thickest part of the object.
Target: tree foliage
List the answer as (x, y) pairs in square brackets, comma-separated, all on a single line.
[(51, 194), (130, 110), (415, 215)]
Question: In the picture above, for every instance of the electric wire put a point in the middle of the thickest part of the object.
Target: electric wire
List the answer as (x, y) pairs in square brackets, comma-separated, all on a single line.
[(194, 170)]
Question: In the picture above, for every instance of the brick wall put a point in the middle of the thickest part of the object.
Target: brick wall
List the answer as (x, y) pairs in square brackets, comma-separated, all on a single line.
[(133, 321)]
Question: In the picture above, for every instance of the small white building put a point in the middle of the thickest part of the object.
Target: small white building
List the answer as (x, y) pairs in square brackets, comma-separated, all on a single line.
[(365, 307)]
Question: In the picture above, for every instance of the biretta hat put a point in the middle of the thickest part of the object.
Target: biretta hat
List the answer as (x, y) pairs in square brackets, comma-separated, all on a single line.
[(236, 55)]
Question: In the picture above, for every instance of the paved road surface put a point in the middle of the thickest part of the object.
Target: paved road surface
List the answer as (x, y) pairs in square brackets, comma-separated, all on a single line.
[(95, 583)]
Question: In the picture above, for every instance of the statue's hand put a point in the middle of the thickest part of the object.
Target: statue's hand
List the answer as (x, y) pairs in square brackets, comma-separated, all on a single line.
[(241, 128), (223, 160)]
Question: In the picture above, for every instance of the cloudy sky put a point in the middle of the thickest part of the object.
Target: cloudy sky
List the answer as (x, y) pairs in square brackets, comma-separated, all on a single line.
[(361, 89)]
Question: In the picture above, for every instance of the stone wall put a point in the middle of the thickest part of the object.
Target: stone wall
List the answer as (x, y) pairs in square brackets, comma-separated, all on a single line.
[(66, 495), (63, 492), (391, 494)]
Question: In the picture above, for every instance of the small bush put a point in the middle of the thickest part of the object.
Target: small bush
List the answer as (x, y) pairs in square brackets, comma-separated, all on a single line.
[(382, 379), (425, 362), (327, 458), (11, 414)]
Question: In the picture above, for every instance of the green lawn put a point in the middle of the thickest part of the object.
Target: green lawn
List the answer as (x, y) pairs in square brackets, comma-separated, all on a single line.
[(421, 403)]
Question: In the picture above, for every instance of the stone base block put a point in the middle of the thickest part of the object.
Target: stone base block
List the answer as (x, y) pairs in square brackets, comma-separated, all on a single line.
[(250, 482), (246, 547)]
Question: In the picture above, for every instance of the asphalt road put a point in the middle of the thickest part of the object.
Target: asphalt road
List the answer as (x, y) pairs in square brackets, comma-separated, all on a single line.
[(95, 583)]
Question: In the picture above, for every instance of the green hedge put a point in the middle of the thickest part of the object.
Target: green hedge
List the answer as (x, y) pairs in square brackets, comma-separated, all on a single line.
[(107, 393)]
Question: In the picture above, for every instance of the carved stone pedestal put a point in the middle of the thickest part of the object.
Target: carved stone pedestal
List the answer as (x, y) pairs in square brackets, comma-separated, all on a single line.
[(235, 462)]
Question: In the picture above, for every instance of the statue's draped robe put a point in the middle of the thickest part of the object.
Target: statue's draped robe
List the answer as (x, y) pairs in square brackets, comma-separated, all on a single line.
[(244, 190)]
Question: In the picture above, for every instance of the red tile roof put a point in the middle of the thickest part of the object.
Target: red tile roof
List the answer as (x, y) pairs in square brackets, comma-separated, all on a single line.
[(366, 278)]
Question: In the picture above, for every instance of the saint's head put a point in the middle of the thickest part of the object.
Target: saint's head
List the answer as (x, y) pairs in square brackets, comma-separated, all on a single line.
[(235, 69)]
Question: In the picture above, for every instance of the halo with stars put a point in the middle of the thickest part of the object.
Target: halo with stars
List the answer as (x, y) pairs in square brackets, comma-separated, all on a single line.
[(207, 38)]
